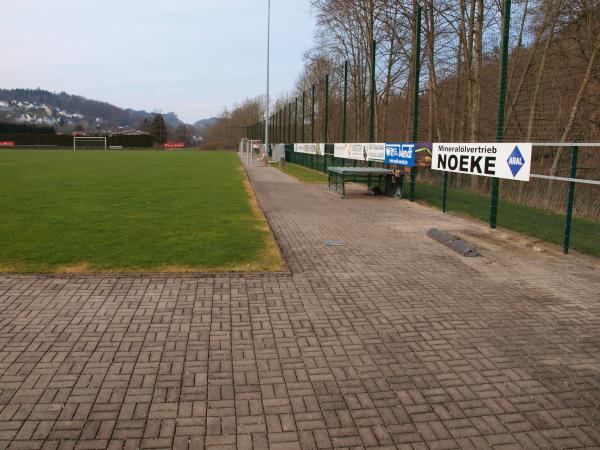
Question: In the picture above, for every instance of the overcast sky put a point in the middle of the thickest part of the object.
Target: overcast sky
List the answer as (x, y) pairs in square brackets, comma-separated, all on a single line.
[(192, 57)]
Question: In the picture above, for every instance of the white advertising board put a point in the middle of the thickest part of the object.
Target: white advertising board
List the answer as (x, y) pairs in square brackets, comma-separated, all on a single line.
[(362, 152), (311, 149), (511, 161)]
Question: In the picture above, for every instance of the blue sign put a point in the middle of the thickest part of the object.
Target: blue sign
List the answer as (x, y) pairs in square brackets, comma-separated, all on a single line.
[(401, 153), (516, 161)]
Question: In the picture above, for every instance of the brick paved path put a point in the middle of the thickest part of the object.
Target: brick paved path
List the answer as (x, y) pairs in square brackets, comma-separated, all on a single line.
[(389, 341)]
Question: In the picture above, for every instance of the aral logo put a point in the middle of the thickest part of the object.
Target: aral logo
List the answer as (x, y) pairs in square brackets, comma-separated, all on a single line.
[(516, 161)]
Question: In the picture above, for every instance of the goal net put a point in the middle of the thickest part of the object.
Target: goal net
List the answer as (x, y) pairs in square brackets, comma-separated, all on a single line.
[(89, 143)]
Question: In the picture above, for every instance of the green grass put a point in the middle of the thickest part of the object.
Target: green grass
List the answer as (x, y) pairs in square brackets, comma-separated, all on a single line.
[(98, 211), (302, 173), (538, 223)]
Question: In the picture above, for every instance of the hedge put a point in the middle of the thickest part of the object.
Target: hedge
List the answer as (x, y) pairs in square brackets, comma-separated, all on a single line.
[(20, 128)]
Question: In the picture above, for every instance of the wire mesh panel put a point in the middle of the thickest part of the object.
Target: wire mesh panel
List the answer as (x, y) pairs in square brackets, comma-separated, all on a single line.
[(585, 227)]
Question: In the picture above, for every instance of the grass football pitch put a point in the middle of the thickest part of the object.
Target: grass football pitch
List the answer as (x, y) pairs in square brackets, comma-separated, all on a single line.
[(105, 211)]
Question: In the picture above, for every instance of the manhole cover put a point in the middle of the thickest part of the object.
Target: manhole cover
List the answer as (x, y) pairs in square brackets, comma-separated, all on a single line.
[(333, 243)]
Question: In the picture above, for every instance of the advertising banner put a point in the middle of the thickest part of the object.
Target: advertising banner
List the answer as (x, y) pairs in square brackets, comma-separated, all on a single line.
[(7, 144), (311, 149), (401, 153), (408, 154), (174, 145), (362, 152), (511, 161)]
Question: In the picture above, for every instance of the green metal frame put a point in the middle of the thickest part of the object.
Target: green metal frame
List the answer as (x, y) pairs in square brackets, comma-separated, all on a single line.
[(415, 127), (501, 108), (570, 201), (312, 116), (303, 114), (373, 93), (285, 123), (326, 112), (289, 135), (296, 120), (345, 107)]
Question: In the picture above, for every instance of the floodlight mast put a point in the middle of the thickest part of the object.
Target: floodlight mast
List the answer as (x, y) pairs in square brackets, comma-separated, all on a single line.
[(268, 76)]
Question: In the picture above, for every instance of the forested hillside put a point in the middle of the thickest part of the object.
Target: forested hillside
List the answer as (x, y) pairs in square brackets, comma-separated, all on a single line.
[(38, 106)]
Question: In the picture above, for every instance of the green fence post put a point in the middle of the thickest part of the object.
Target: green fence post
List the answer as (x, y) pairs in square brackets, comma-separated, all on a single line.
[(286, 124), (373, 94), (283, 116), (415, 130), (501, 108), (312, 117), (296, 121), (289, 123), (303, 114), (326, 111), (445, 193), (570, 202), (345, 108)]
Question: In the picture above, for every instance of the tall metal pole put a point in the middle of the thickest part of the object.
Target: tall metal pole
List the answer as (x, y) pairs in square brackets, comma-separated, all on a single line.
[(268, 75), (415, 130), (345, 114), (501, 107), (312, 117), (326, 112)]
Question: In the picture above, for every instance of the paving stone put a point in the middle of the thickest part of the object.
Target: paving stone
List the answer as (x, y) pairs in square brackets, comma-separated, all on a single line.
[(388, 341)]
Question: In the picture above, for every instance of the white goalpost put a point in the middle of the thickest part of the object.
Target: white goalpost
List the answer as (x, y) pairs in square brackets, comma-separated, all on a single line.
[(89, 143)]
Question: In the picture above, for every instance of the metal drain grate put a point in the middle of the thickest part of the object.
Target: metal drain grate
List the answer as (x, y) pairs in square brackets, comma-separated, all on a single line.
[(334, 243)]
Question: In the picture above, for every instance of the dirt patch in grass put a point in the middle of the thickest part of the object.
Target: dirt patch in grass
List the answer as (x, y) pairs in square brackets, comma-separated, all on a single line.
[(271, 258)]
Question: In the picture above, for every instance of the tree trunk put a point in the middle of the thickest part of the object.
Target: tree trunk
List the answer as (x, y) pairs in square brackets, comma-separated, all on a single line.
[(455, 93), (532, 52), (575, 109), (476, 80), (540, 73)]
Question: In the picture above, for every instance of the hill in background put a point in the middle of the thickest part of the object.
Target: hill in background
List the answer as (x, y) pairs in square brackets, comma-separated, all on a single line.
[(65, 111)]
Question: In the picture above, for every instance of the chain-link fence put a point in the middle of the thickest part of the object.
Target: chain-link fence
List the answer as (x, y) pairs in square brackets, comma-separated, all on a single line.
[(557, 210)]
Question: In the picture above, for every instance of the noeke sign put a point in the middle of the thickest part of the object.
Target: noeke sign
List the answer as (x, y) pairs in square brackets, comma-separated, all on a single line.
[(503, 160)]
